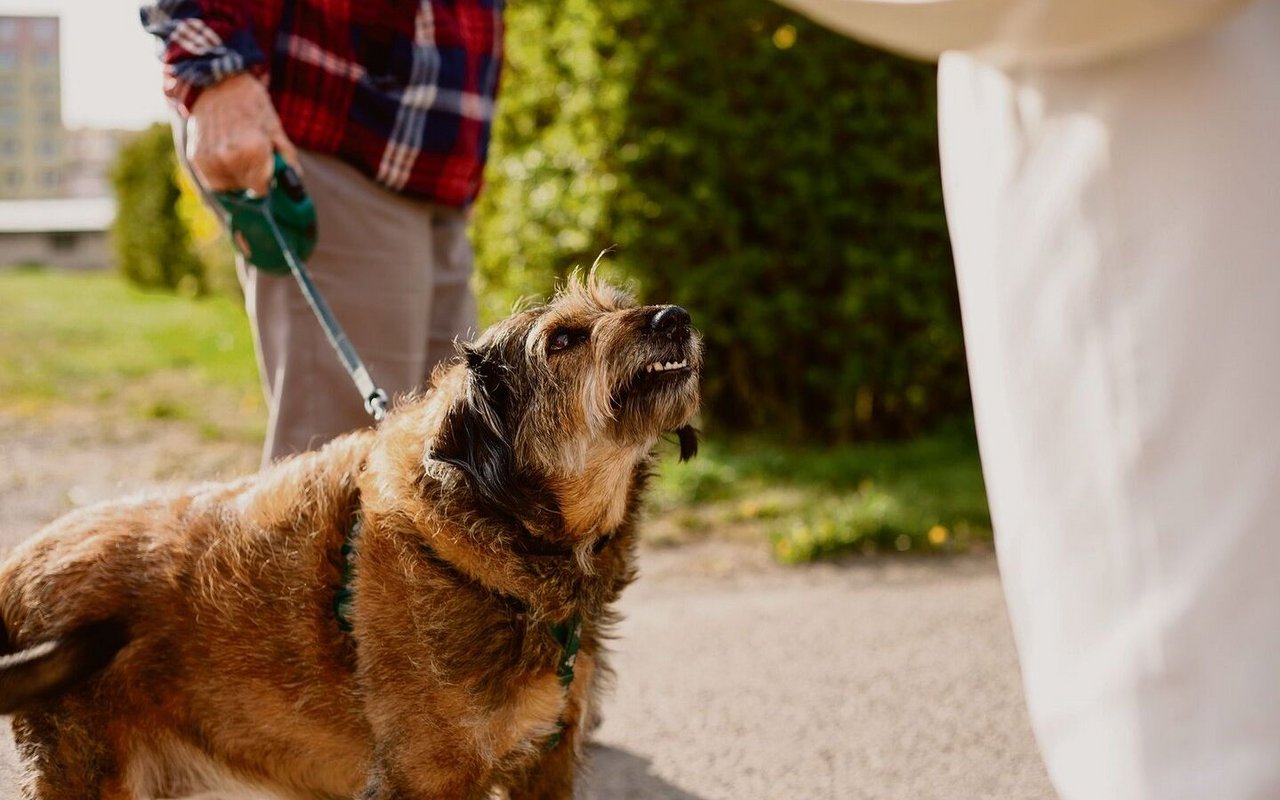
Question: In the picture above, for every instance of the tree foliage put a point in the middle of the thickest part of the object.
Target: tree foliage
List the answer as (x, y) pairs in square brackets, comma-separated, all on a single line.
[(778, 180)]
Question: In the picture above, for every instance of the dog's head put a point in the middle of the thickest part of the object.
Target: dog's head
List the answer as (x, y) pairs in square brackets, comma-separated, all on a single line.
[(570, 397)]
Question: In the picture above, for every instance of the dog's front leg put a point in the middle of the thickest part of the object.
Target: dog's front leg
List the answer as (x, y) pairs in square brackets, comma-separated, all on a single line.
[(419, 771), (551, 776)]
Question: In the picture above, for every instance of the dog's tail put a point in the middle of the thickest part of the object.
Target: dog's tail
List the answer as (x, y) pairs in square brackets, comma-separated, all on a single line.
[(50, 668)]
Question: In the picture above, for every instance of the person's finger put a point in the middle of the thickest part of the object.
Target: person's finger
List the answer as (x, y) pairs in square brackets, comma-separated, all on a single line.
[(282, 145)]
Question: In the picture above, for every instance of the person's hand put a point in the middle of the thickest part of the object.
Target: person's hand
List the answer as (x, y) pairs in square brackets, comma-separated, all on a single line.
[(231, 134)]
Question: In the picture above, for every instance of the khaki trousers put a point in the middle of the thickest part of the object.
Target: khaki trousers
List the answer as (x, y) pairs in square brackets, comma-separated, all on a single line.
[(1117, 238), (396, 272)]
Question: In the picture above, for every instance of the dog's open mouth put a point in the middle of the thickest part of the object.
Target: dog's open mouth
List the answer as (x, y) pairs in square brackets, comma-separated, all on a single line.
[(668, 366), (664, 371)]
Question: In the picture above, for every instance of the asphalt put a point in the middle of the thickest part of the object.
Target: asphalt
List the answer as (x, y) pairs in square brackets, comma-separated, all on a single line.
[(893, 680)]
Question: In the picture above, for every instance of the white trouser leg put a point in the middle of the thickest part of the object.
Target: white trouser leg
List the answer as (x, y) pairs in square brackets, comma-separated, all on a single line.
[(1117, 240)]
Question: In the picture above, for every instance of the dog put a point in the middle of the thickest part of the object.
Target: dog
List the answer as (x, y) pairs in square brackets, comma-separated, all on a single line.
[(474, 544)]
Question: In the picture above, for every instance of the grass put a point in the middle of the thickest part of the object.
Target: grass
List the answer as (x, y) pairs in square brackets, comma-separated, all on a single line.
[(71, 341), (922, 495)]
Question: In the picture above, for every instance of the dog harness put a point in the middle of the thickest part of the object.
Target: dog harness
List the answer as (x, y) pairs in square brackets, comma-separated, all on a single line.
[(567, 634)]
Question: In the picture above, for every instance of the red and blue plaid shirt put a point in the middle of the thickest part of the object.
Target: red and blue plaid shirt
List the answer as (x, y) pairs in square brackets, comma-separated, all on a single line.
[(402, 89)]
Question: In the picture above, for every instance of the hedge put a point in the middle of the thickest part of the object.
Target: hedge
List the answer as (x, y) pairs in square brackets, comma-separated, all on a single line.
[(778, 180)]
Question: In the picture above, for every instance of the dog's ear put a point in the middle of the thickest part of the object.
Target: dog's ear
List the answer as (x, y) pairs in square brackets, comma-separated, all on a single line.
[(688, 441), (474, 435)]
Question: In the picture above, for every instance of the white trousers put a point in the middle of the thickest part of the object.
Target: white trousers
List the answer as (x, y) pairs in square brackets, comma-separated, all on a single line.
[(1117, 239)]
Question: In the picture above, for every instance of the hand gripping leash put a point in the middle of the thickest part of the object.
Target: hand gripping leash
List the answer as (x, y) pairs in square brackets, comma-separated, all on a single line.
[(276, 233)]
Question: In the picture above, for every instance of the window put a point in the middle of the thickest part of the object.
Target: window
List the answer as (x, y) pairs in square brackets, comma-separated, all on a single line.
[(8, 29), (63, 241), (50, 149), (8, 146), (44, 30), (50, 179), (8, 118)]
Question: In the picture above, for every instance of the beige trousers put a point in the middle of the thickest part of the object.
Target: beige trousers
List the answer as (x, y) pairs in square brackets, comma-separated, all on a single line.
[(1117, 238), (396, 272)]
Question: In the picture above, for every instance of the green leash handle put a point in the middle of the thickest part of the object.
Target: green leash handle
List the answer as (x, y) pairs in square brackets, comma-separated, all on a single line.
[(288, 204)]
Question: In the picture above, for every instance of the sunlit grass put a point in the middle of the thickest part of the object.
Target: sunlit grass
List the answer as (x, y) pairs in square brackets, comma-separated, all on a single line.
[(69, 340), (922, 495)]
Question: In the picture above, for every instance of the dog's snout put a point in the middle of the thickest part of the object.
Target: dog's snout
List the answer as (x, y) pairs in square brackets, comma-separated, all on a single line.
[(669, 320)]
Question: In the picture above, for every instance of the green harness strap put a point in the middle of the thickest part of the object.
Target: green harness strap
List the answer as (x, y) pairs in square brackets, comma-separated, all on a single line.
[(567, 634), (343, 598)]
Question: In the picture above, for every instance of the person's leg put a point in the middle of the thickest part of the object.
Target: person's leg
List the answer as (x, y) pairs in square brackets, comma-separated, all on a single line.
[(1117, 241), (453, 305), (375, 265)]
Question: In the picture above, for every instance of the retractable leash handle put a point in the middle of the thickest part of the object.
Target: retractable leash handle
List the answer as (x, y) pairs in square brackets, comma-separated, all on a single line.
[(288, 204), (275, 233)]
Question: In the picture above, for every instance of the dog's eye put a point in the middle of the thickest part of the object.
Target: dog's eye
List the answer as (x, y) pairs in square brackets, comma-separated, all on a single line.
[(563, 339)]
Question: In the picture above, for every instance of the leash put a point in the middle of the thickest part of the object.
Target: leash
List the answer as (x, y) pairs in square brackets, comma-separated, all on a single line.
[(276, 233)]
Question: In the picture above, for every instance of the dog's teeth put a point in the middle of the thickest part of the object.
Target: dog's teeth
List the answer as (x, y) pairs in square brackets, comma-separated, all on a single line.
[(658, 366)]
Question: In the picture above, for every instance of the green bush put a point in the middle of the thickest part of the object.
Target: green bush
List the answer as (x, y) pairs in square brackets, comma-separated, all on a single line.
[(777, 179), (153, 247)]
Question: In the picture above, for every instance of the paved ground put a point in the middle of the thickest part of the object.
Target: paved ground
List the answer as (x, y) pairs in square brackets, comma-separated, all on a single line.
[(737, 679), (894, 680)]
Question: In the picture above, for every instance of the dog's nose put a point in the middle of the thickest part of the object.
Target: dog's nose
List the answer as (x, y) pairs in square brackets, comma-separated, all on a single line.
[(669, 320)]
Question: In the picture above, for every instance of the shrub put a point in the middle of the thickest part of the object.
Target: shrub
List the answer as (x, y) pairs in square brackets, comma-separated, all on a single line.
[(777, 179), (152, 244)]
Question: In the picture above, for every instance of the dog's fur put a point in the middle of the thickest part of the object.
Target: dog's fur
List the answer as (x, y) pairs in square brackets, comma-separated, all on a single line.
[(498, 503)]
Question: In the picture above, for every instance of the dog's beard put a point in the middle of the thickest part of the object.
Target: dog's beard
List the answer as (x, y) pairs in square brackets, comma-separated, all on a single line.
[(660, 395)]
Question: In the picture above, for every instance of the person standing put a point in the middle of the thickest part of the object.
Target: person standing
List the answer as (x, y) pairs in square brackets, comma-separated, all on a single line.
[(385, 109), (1110, 174)]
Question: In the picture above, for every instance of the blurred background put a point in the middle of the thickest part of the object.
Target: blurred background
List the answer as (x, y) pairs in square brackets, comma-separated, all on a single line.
[(777, 179)]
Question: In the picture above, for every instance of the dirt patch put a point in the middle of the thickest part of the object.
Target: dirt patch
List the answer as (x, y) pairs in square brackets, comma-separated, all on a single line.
[(54, 462)]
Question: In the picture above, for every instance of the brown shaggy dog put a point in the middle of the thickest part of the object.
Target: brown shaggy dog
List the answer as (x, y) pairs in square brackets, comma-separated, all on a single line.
[(169, 645)]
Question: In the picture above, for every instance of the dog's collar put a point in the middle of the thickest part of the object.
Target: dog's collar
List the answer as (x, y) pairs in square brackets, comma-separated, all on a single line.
[(567, 634)]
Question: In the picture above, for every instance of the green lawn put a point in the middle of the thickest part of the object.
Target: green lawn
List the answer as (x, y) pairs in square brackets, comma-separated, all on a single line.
[(75, 340), (92, 341), (922, 495)]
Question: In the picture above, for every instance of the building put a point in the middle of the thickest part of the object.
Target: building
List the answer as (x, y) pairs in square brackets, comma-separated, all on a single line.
[(71, 233), (32, 140), (90, 155)]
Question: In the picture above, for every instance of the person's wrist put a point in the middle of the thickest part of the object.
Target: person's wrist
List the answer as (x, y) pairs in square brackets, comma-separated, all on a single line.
[(238, 83)]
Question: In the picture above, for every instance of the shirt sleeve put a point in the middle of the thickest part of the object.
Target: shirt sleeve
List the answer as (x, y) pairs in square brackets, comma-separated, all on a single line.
[(203, 42)]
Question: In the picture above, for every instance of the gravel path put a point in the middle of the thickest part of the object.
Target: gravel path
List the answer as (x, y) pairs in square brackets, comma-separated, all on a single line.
[(737, 679)]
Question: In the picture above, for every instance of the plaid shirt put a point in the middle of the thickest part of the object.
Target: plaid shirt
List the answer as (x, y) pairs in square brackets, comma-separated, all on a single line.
[(402, 89)]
